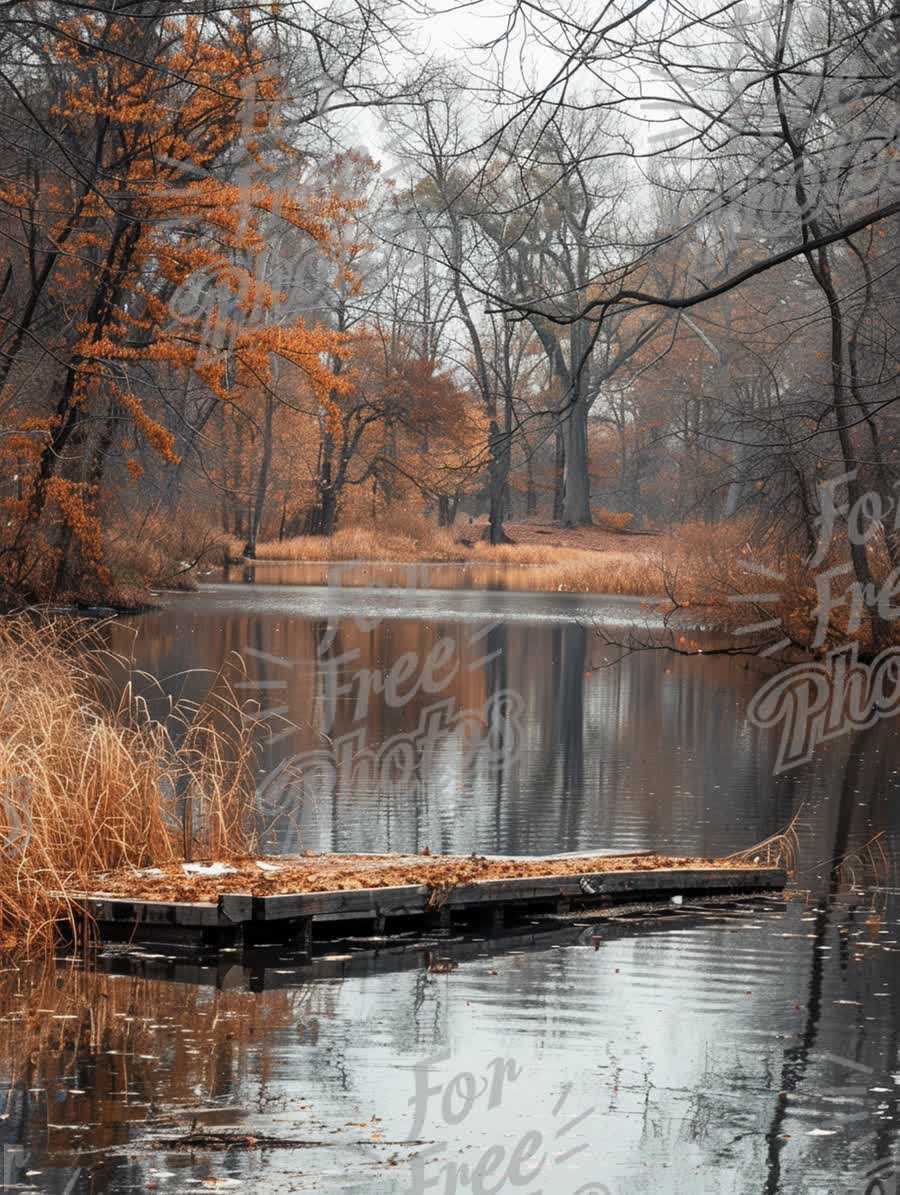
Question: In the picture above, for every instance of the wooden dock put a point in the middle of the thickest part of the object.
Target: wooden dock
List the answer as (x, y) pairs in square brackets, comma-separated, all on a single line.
[(235, 919)]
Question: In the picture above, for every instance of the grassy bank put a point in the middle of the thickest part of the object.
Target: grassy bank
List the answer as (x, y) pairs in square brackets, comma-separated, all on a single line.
[(586, 560), (436, 544)]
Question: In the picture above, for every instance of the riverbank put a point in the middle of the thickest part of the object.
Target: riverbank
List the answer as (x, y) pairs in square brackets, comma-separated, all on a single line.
[(709, 575), (529, 542), (577, 560)]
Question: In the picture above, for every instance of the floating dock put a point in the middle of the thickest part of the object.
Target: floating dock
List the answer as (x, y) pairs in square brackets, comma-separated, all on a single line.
[(375, 907)]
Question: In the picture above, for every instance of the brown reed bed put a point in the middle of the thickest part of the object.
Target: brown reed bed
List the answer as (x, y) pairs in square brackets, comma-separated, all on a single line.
[(618, 564), (440, 545), (89, 783)]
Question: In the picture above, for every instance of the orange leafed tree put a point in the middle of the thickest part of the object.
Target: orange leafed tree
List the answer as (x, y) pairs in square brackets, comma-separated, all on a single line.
[(172, 115)]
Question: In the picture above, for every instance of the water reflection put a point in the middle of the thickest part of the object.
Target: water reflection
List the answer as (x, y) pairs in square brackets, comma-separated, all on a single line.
[(489, 732), (400, 740), (673, 1037), (751, 1049)]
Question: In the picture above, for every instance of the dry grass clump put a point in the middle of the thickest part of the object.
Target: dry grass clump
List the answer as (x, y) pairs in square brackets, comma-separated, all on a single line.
[(781, 849), (158, 551), (638, 574), (615, 520), (409, 540), (135, 553), (543, 554), (85, 787), (355, 543), (732, 576)]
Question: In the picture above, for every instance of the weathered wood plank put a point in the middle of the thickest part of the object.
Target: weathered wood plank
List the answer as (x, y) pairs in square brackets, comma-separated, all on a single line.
[(692, 881), (150, 912), (415, 900), (259, 972), (408, 900), (235, 907)]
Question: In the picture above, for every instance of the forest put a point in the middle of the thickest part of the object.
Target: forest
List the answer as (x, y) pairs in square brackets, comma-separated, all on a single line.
[(450, 595), (275, 273)]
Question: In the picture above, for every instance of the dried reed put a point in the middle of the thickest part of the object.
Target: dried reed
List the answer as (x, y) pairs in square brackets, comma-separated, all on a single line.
[(90, 786)]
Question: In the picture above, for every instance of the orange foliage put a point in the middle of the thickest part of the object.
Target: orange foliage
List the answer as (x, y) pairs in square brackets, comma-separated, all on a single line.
[(165, 129)]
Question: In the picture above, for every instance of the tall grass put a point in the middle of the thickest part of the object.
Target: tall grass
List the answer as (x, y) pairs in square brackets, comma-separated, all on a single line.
[(363, 543), (711, 571), (405, 536), (87, 786), (638, 574), (556, 566)]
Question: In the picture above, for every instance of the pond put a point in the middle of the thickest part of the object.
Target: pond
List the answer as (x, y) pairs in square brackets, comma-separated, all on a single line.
[(748, 1047)]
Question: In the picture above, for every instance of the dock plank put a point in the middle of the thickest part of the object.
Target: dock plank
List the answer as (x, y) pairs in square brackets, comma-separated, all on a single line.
[(146, 912)]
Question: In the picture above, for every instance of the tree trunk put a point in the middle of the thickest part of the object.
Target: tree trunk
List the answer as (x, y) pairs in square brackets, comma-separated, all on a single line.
[(262, 483), (530, 491), (819, 265), (498, 473), (559, 466), (329, 511), (882, 474), (321, 516), (577, 486)]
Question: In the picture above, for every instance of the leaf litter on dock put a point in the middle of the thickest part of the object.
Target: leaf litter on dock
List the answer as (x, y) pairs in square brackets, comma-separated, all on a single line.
[(335, 873)]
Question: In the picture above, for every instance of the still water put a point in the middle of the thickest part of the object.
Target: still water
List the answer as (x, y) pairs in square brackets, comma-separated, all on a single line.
[(747, 1048)]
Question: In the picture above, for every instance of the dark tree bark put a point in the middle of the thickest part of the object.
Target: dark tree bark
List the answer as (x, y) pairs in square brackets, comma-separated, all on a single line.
[(262, 482)]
